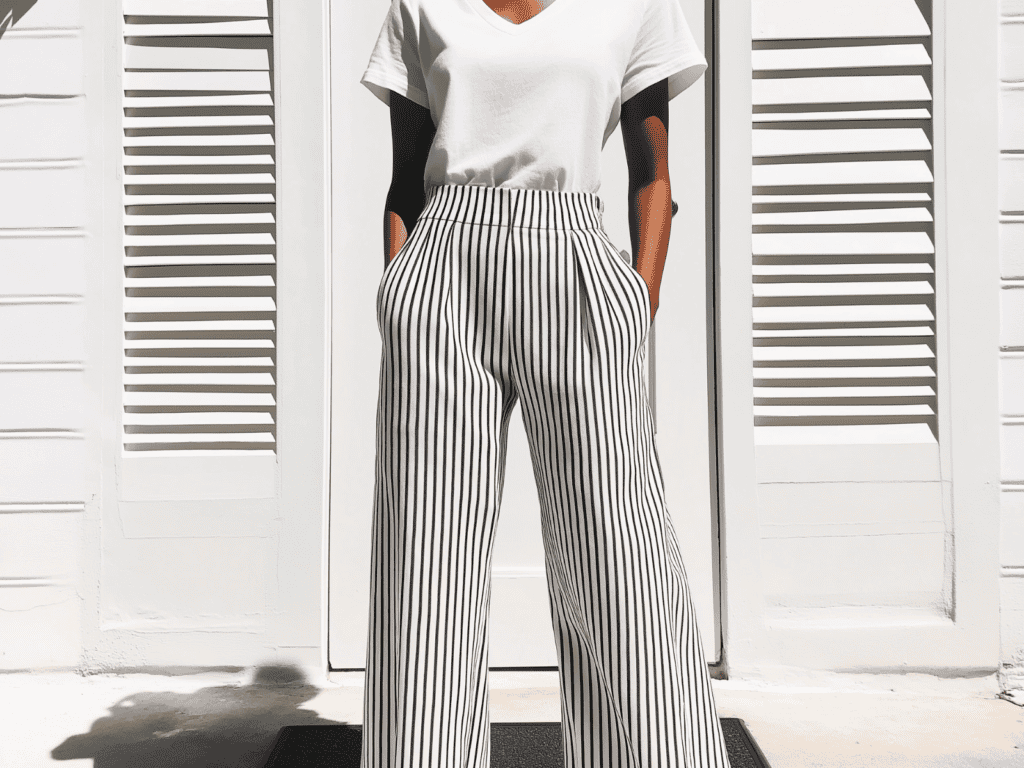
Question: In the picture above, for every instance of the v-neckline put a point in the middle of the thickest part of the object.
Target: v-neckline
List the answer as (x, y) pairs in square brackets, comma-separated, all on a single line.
[(499, 22)]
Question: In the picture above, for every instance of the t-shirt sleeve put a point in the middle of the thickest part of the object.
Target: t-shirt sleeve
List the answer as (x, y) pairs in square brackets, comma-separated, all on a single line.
[(395, 63), (664, 48)]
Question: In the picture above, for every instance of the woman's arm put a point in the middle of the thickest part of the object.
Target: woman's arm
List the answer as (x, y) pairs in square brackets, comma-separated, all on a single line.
[(644, 121), (412, 133)]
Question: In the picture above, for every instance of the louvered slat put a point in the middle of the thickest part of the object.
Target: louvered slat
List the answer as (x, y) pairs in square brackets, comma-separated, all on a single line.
[(198, 9), (200, 228), (204, 80), (768, 142), (851, 115), (164, 400), (196, 140), (220, 344), (163, 57), (846, 56), (220, 100), (249, 27), (212, 418), (813, 19), (854, 216), (840, 90), (853, 197), (843, 246), (840, 174)]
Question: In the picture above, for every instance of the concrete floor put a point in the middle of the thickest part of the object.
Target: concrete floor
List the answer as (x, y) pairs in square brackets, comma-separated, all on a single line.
[(230, 720)]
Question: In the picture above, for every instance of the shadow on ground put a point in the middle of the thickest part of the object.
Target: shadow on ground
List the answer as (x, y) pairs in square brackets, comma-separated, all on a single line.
[(221, 726)]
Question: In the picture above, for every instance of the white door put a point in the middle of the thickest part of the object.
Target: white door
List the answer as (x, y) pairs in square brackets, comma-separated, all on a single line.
[(521, 634)]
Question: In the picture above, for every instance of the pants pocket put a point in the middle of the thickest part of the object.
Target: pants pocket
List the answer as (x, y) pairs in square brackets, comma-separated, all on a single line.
[(636, 277), (615, 307), (390, 266)]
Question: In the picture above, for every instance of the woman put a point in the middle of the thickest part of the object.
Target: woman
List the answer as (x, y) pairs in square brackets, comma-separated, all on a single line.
[(501, 286)]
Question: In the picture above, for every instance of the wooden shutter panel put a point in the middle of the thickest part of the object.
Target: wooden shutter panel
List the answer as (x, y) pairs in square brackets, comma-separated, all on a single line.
[(843, 243), (200, 240)]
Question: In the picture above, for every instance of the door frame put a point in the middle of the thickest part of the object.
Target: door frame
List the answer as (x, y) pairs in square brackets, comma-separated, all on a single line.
[(338, 240), (967, 194), (717, 669)]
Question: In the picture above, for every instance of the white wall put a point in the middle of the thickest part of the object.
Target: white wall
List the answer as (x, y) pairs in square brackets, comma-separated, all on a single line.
[(42, 346), (1011, 342), (86, 580)]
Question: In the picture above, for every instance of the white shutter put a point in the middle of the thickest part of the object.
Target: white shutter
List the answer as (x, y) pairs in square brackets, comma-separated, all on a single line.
[(199, 237), (843, 245)]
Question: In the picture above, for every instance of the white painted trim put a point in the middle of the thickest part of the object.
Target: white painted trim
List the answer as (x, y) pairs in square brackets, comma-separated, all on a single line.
[(970, 33), (743, 613), (11, 232), (49, 299), (43, 32), (9, 367), (325, 538), (361, 178), (943, 352), (102, 77), (296, 629), (38, 507)]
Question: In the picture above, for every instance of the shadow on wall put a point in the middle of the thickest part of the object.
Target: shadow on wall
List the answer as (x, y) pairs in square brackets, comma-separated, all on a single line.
[(11, 12), (227, 726)]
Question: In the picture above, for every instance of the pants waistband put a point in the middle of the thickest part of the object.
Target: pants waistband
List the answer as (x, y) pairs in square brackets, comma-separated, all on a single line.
[(514, 206)]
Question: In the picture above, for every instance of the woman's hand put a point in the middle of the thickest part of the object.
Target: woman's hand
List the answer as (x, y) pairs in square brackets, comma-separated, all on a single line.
[(654, 299)]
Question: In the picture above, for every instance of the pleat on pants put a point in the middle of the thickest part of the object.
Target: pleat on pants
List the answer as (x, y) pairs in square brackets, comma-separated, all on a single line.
[(503, 295)]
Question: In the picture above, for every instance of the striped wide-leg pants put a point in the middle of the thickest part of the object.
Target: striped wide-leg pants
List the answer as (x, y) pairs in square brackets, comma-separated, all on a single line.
[(503, 295)]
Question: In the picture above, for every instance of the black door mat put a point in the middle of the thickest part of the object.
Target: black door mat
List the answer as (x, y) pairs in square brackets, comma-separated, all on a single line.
[(513, 745)]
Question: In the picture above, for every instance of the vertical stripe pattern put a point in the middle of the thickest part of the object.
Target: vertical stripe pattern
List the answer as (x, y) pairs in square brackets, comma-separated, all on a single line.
[(503, 295)]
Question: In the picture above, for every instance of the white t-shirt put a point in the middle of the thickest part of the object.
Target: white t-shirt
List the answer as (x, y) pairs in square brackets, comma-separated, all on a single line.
[(528, 105)]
